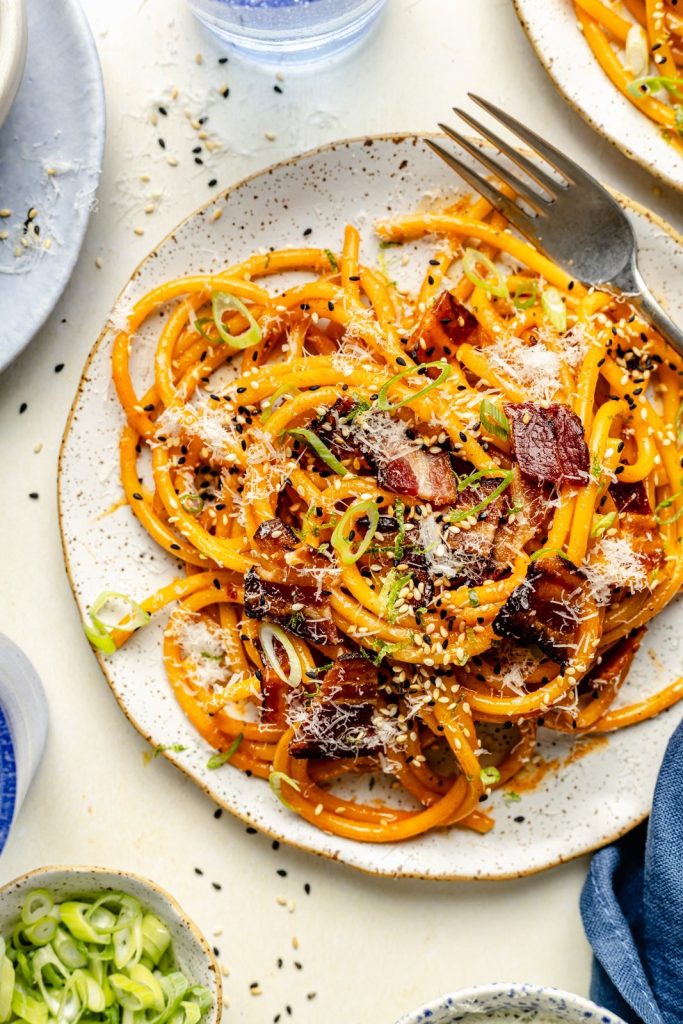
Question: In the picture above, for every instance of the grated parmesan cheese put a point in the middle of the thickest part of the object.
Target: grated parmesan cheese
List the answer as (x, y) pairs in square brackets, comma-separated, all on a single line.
[(613, 563)]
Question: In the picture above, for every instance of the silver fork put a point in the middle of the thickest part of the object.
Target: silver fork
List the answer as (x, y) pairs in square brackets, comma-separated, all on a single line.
[(575, 221)]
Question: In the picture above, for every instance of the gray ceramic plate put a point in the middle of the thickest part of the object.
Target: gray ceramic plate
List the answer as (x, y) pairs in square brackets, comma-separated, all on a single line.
[(50, 159), (590, 799), (553, 31)]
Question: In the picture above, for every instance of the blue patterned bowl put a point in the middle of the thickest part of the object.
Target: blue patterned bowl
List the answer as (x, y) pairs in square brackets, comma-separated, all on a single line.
[(519, 1001)]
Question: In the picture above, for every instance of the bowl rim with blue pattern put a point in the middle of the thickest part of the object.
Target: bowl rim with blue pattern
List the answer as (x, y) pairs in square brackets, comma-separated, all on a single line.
[(486, 1000)]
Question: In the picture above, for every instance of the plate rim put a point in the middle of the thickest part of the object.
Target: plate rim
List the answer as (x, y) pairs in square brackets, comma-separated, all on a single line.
[(98, 127), (624, 149), (244, 816)]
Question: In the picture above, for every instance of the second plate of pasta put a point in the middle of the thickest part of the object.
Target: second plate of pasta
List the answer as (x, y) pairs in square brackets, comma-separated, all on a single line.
[(384, 510), (619, 66)]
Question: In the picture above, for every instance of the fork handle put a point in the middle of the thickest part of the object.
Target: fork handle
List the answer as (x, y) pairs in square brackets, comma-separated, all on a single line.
[(632, 285)]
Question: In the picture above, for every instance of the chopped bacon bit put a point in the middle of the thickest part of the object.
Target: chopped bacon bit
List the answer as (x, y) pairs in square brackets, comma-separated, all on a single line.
[(637, 522), (443, 327), (542, 610), (336, 730), (476, 544), (296, 608), (328, 428), (548, 442), (422, 475), (630, 498), (273, 699), (274, 537), (529, 500), (615, 664), (352, 677)]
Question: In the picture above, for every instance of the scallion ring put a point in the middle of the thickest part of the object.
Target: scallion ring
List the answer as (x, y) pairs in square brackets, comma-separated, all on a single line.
[(384, 405), (494, 420), (268, 406), (275, 780), (636, 51), (525, 295), (99, 632), (493, 283), (191, 503), (269, 632), (490, 775), (464, 513), (340, 534), (554, 308), (603, 523), (320, 449), (221, 302)]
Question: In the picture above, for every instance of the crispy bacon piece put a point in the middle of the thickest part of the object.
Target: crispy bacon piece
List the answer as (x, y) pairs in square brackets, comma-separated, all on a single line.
[(529, 499), (543, 610), (273, 698), (274, 537), (637, 520), (420, 474), (548, 442), (615, 664), (332, 428), (352, 677), (443, 327), (476, 544), (336, 730), (630, 498), (296, 608)]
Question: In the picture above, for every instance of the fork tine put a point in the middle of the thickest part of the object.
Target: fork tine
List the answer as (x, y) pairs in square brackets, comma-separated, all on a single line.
[(562, 164), (521, 220), (538, 175), (532, 197)]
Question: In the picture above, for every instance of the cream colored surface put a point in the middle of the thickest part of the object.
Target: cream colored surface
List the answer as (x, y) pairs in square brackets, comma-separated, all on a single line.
[(370, 949)]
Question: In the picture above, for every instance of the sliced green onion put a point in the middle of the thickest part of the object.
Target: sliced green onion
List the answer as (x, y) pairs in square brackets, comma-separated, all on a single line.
[(464, 513), (89, 993), (217, 760), (549, 553), (24, 1005), (191, 503), (382, 650), (268, 405), (636, 51), (199, 327), (331, 259), (74, 917), (654, 83), (510, 797), (603, 523), (6, 988), (494, 420), (525, 295), (70, 952), (391, 588), (275, 780), (41, 932), (465, 482), (489, 776), (138, 990), (493, 283), (340, 534), (38, 904), (667, 503), (360, 405), (99, 633), (223, 301), (554, 308), (176, 748), (383, 403), (320, 449), (268, 633), (473, 598), (156, 937)]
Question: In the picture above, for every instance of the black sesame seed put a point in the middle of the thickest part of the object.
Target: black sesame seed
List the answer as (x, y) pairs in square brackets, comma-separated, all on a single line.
[(22, 408), (222, 60), (213, 182), (161, 143), (281, 872), (217, 886), (250, 829), (198, 871), (198, 160), (277, 88), (138, 497), (59, 367), (519, 819), (307, 232), (218, 812), (307, 888), (34, 495)]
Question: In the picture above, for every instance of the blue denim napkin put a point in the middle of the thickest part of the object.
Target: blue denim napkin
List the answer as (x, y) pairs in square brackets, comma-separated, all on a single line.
[(632, 909)]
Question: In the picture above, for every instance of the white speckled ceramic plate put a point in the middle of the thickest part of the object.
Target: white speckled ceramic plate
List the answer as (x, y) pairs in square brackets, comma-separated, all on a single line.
[(523, 1003), (553, 31), (591, 799), (50, 159)]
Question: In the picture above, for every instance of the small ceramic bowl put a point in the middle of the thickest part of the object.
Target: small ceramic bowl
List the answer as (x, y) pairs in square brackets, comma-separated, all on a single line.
[(517, 1001), (192, 952), (12, 51)]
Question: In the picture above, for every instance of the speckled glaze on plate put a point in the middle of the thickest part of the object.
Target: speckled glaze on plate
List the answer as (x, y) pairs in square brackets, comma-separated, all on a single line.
[(193, 953), (486, 1002), (560, 46), (593, 798)]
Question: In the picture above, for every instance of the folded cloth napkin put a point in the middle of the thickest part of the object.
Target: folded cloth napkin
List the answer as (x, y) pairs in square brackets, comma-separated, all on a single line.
[(632, 909)]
